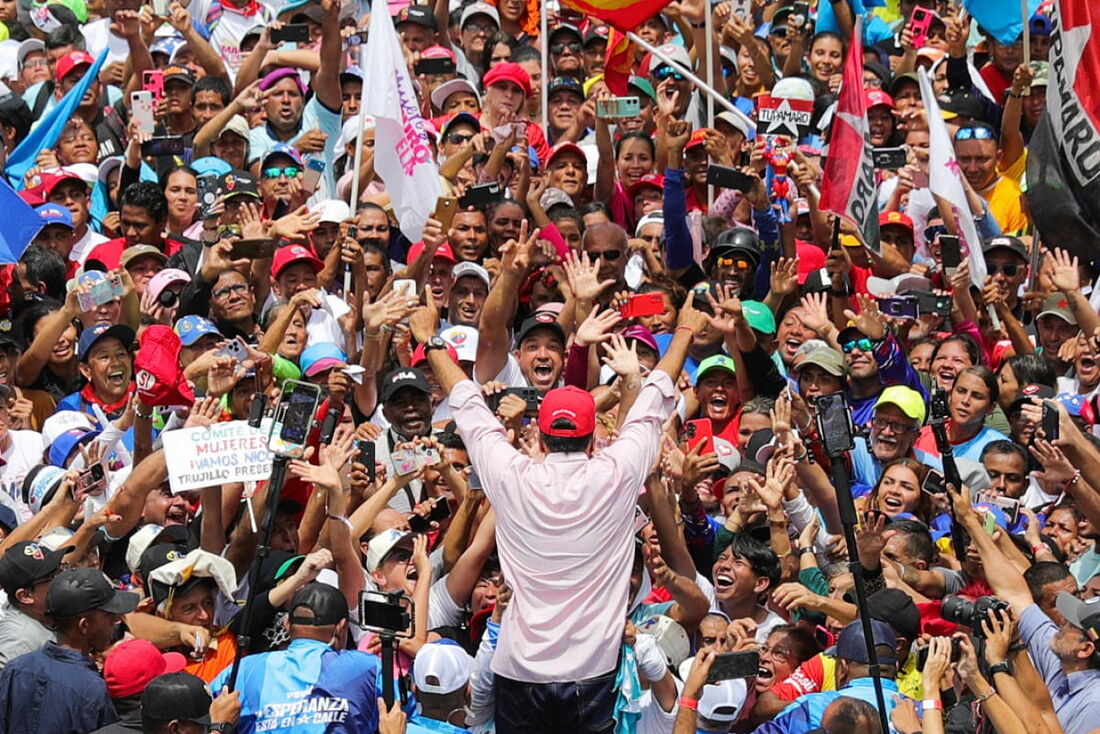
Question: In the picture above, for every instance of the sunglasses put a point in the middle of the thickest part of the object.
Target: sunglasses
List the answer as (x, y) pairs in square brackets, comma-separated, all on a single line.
[(667, 72), (780, 32), (1009, 269), (458, 138), (727, 262), (276, 172), (864, 345), (931, 233), (974, 133), (607, 255), (558, 48)]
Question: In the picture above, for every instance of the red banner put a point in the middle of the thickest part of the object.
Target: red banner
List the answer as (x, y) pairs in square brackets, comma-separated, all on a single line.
[(626, 15)]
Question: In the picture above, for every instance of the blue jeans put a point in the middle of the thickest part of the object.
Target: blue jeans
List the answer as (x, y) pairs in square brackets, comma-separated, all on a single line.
[(552, 708)]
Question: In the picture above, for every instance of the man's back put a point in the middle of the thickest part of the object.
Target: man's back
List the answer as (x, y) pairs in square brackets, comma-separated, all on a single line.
[(52, 691)]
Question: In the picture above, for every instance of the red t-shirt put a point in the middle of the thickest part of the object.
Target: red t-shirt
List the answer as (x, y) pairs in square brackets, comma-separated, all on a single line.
[(110, 252), (997, 82)]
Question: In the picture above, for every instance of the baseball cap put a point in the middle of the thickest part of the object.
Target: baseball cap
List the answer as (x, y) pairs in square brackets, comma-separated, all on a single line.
[(677, 53), (326, 603), (722, 701), (238, 183), (236, 125), (851, 644), (135, 251), (564, 147), (902, 220), (1072, 402), (1041, 72), (63, 446), (401, 378), (40, 484), (8, 520), (714, 362), (464, 340), (176, 695), (569, 403), (826, 358), (163, 279), (132, 664), (1005, 242), (273, 77), (654, 217), (284, 149), (651, 180), (441, 667), (960, 103), (739, 122), (1084, 615), (554, 196), (1029, 391), (26, 562), (28, 47), (759, 316), (876, 97), (1056, 304), (420, 355), (443, 252), (641, 334), (55, 214), (332, 210), (453, 86), (53, 179), (506, 72), (897, 609), (446, 123), (287, 256), (908, 400), (543, 320), (382, 544), (1039, 25), (596, 32), (320, 357), (643, 85), (95, 333), (698, 137), (149, 535), (71, 61), (565, 82), (479, 8), (79, 590), (192, 328), (179, 73), (563, 28), (464, 269), (417, 14), (671, 637)]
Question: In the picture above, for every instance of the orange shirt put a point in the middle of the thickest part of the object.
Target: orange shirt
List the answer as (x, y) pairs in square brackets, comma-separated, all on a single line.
[(219, 656)]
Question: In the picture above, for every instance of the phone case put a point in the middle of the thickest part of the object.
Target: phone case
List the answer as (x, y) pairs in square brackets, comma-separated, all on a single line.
[(404, 461), (141, 103)]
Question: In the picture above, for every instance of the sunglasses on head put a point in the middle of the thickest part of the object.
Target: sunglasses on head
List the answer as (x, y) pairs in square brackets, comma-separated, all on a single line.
[(276, 171), (667, 72), (863, 344), (726, 262), (974, 133), (1009, 269), (558, 48)]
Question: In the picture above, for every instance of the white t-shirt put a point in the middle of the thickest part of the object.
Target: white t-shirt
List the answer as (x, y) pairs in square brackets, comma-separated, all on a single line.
[(86, 244), (23, 454)]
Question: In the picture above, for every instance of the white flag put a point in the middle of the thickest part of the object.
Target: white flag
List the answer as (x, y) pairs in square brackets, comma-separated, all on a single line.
[(402, 155), (945, 181)]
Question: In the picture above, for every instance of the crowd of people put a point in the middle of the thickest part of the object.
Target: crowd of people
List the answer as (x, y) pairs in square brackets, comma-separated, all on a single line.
[(581, 459)]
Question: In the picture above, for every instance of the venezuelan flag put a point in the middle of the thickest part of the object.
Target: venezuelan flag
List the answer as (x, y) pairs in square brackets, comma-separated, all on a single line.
[(619, 63), (626, 15)]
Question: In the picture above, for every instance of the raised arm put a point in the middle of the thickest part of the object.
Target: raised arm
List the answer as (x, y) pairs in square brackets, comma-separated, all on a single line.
[(494, 340)]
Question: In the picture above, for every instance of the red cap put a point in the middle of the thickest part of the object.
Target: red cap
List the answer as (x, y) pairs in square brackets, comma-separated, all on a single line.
[(158, 375), (50, 181), (438, 52), (655, 180), (571, 403), (443, 253), (508, 72), (420, 355), (699, 137), (285, 256), (72, 60), (131, 665), (567, 146), (885, 218), (876, 97)]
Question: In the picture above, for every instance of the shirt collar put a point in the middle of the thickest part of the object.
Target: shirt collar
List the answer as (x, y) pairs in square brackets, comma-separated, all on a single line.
[(1082, 679)]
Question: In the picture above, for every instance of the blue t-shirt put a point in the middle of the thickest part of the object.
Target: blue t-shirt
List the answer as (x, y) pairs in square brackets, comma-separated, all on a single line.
[(314, 116)]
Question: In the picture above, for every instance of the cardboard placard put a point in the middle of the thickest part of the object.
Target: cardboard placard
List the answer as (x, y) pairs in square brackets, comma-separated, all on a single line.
[(783, 116), (223, 453)]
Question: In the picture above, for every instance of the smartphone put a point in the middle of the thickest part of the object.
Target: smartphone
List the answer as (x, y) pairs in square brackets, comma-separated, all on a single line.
[(434, 66), (934, 483), (729, 665), (163, 147), (153, 81), (618, 107), (92, 480), (427, 455), (366, 457), (314, 168), (700, 432), (385, 612), (919, 23), (445, 208), (208, 195), (1050, 421), (741, 8), (643, 304), (291, 33), (889, 159), (834, 424), (441, 510), (258, 249), (950, 253), (234, 348), (473, 482), (989, 523), (405, 461), (141, 109), (482, 195), (930, 303), (160, 8), (406, 287), (899, 307), (530, 396), (294, 418), (1010, 507), (728, 178)]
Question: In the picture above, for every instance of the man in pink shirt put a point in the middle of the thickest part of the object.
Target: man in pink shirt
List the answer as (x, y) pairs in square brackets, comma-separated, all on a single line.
[(564, 535)]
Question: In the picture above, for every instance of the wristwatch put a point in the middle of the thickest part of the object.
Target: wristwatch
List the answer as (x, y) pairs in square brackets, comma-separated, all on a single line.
[(223, 727), (436, 342), (1001, 667)]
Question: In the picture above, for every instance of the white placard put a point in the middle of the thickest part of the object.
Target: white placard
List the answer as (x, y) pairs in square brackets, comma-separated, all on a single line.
[(221, 454)]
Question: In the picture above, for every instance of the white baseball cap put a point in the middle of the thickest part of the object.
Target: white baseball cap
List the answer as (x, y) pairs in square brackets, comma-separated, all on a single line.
[(671, 637), (464, 340), (468, 268), (381, 545), (723, 701), (441, 667), (332, 210), (63, 422)]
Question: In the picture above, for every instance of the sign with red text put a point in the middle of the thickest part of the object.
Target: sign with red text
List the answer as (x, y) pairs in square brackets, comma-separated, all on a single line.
[(224, 453)]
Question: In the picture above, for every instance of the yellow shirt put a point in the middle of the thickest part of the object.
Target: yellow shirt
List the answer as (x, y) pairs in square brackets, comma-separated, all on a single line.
[(1004, 205)]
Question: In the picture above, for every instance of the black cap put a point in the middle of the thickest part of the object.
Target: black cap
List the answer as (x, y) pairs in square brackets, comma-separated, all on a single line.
[(897, 609), (27, 562), (179, 73), (238, 183), (326, 602), (157, 555), (175, 696), (963, 103), (78, 590), (418, 14), (9, 334), (565, 28), (738, 239), (559, 83), (596, 32), (404, 377), (1005, 242), (544, 320)]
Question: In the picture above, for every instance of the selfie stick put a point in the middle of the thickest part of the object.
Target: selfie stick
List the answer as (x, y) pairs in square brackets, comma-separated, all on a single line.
[(274, 489), (389, 644), (951, 476), (848, 519)]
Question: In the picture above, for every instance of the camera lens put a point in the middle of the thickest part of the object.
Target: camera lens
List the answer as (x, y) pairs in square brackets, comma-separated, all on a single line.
[(168, 298), (958, 610)]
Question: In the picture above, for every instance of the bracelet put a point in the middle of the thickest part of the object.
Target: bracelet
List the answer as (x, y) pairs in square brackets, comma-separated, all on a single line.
[(807, 549), (689, 703), (931, 704), (143, 416), (1076, 478), (1035, 549), (388, 329), (1017, 96), (986, 696), (686, 328)]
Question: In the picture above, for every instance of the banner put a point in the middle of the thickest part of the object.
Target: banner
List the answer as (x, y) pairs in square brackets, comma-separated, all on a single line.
[(221, 454), (626, 15), (783, 116), (945, 181), (848, 189), (21, 225), (402, 155)]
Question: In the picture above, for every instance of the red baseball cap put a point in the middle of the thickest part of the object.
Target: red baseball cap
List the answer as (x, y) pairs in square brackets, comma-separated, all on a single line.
[(131, 665), (566, 146), (51, 181), (420, 355), (508, 72), (876, 97), (438, 52), (699, 137), (571, 403), (72, 60), (286, 256), (158, 375), (885, 218), (443, 253), (654, 180)]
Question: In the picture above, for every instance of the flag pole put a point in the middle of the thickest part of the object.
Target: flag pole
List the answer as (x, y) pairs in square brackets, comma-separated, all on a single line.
[(359, 137), (544, 48), (708, 44), (1025, 18), (703, 86)]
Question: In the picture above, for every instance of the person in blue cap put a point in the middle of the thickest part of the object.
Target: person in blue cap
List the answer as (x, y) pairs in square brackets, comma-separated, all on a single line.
[(58, 234), (108, 365)]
